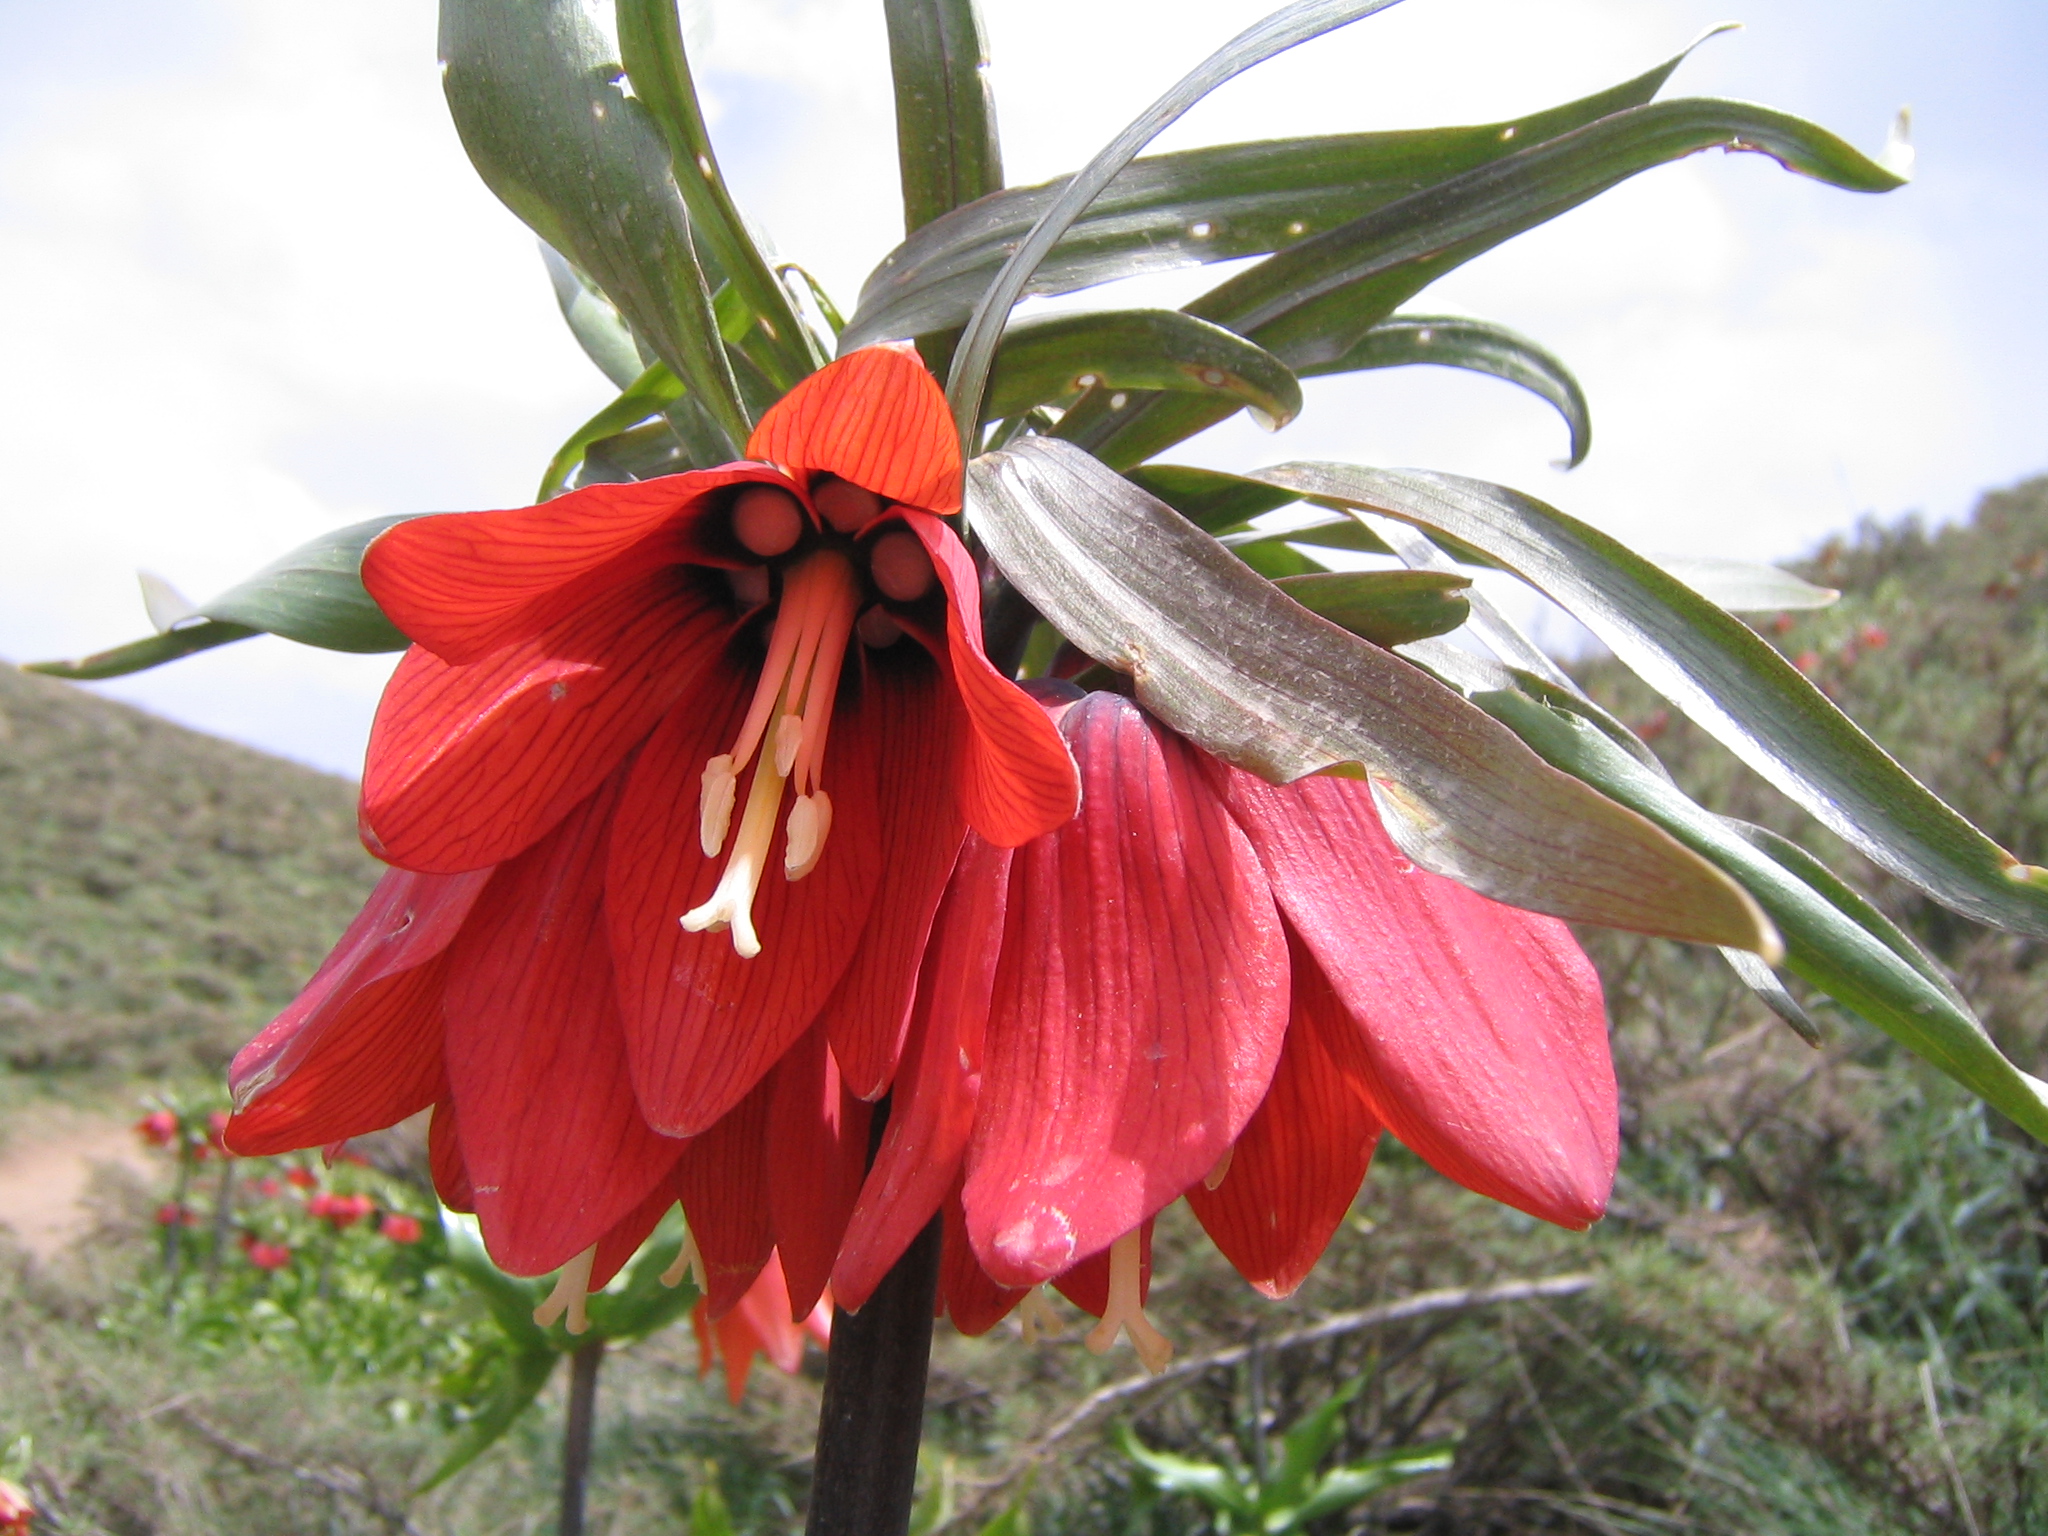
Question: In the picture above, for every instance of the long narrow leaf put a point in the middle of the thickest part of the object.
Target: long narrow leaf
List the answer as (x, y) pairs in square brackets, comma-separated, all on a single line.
[(1451, 342), (649, 393), (523, 1376), (1720, 673), (593, 321), (534, 94), (141, 655), (651, 45), (1217, 203), (1050, 361), (946, 146), (1223, 657), (1823, 944), (1286, 28)]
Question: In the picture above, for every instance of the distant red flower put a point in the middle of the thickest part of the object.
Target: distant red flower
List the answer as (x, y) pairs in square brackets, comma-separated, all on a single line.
[(301, 1178), (17, 1513), (339, 1211), (266, 1256), (1875, 637), (400, 1228), (1782, 624), (269, 1189), (172, 1214), (759, 1324), (560, 772), (1209, 986), (1807, 662), (159, 1128)]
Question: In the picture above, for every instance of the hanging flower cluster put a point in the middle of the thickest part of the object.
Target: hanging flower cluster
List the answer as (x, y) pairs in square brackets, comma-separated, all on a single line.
[(707, 811)]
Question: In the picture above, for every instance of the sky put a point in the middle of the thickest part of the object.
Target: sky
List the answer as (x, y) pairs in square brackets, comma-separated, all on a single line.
[(255, 291)]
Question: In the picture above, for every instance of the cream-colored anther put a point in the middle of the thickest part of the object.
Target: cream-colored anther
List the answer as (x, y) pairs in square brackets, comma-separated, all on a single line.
[(714, 803), (1125, 1313), (732, 903), (1036, 1317), (810, 821), (571, 1294), (688, 1262), (789, 740), (1215, 1176), (767, 521), (900, 567)]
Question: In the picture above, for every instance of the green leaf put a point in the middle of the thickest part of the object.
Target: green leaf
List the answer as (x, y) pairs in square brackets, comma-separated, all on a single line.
[(1451, 342), (1741, 586), (1210, 499), (1224, 658), (1212, 204), (1304, 1446), (644, 1305), (593, 321), (1720, 673), (651, 43), (649, 393), (534, 91), (1312, 303), (946, 146), (1054, 360), (313, 595), (511, 1300), (1347, 1485), (1217, 1486), (525, 1374), (709, 1515), (140, 655), (1285, 28), (1832, 948), (1771, 992), (1386, 607)]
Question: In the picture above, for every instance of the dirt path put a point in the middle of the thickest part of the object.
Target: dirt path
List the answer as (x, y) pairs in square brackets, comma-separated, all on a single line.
[(46, 1167)]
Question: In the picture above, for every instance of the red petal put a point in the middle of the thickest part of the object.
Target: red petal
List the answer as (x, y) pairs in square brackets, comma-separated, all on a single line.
[(975, 1302), (625, 1238), (469, 583), (469, 765), (367, 1045), (931, 1113), (722, 1181), (1016, 778), (444, 1161), (555, 1146), (874, 417), (921, 829), (1139, 1005), (1086, 1285), (1297, 1168), (817, 1152), (703, 1024), (1480, 1031)]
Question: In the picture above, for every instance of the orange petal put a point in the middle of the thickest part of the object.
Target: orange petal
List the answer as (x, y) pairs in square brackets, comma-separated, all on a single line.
[(874, 417)]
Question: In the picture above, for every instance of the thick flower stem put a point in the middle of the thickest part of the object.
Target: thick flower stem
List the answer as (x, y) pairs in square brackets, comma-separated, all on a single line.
[(576, 1434), (865, 1474)]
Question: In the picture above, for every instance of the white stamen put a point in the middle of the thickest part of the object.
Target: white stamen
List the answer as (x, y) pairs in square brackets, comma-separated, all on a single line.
[(714, 803), (810, 820), (1215, 1176), (570, 1295), (1125, 1313), (1036, 1317), (688, 1262), (789, 740), (732, 903)]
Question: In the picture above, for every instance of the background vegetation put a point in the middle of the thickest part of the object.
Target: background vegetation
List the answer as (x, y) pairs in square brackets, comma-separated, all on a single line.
[(1818, 1300)]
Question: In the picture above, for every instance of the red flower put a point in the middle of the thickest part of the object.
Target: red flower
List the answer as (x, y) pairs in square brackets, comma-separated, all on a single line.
[(580, 957), (341, 1211), (759, 1324), (301, 1178), (265, 1255), (269, 1189), (172, 1214), (16, 1510), (159, 1128), (1206, 985), (400, 1228)]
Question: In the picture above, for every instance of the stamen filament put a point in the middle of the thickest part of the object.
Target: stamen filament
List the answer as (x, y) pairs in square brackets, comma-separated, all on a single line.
[(571, 1294), (1036, 1317), (688, 1262), (1125, 1313), (732, 903)]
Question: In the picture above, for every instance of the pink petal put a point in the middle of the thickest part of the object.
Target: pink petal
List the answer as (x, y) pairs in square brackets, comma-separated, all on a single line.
[(469, 765), (1138, 1010), (553, 1141), (931, 1112), (703, 1024), (1482, 1041), (1297, 1168), (1016, 778)]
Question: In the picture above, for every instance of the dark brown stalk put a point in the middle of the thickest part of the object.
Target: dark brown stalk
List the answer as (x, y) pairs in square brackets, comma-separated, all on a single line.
[(577, 1432)]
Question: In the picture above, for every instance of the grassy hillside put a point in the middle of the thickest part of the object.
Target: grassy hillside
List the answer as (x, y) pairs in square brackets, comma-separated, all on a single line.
[(161, 892)]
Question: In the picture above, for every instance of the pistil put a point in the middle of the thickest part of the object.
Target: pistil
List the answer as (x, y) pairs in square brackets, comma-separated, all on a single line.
[(1125, 1313), (571, 1294)]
